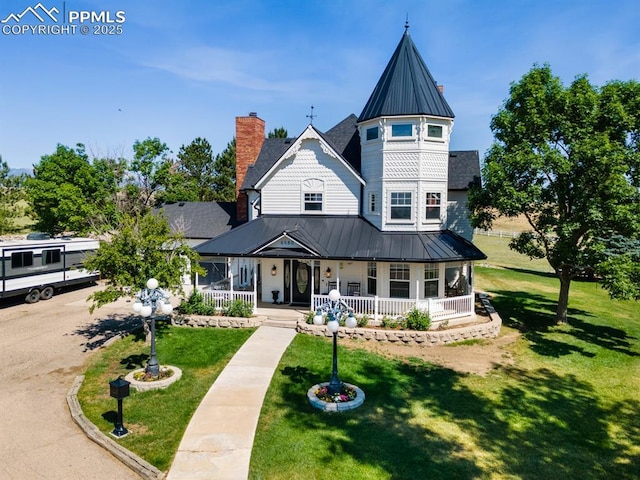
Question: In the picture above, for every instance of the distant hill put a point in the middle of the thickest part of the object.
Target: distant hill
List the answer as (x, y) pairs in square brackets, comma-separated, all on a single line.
[(14, 172)]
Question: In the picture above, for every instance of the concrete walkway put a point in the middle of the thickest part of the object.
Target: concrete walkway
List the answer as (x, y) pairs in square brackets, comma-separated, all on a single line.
[(218, 440)]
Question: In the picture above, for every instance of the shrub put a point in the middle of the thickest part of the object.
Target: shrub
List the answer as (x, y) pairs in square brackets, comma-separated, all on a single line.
[(363, 320), (417, 320), (390, 323), (195, 305), (238, 308), (309, 317)]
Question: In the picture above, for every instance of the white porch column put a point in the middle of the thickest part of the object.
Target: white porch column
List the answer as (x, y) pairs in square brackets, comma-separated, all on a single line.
[(230, 273), (255, 285)]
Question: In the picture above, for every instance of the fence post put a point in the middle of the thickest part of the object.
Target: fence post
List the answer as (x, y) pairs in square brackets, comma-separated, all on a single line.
[(375, 308)]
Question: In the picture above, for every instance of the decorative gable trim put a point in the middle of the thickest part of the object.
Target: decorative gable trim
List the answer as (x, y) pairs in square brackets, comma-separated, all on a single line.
[(284, 242), (310, 133)]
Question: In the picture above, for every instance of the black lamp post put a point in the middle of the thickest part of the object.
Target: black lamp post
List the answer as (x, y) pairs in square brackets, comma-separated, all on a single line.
[(119, 389), (334, 310), (146, 304)]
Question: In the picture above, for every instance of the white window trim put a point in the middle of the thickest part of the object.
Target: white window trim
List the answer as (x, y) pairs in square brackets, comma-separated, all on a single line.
[(376, 201), (411, 207), (426, 208), (376, 139), (413, 136), (304, 203)]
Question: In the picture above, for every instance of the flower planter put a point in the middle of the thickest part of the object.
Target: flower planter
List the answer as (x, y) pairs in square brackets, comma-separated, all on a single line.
[(330, 406)]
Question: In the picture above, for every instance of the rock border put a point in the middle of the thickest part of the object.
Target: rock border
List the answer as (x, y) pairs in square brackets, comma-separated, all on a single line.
[(131, 460), (155, 385), (335, 406)]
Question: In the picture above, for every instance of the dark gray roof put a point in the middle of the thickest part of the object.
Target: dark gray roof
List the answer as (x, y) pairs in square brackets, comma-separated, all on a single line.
[(339, 238), (464, 166), (272, 150), (464, 169), (200, 220), (344, 138), (406, 87)]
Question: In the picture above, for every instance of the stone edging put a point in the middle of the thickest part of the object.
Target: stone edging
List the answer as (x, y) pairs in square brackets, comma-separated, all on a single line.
[(156, 385), (490, 329), (335, 406), (135, 463)]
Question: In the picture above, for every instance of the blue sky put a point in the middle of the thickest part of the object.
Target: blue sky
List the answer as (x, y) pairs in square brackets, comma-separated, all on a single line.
[(185, 69)]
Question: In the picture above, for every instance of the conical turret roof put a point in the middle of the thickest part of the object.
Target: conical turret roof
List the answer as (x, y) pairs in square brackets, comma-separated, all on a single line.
[(406, 87)]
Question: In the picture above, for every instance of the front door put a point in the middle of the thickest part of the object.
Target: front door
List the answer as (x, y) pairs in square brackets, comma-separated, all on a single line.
[(301, 283)]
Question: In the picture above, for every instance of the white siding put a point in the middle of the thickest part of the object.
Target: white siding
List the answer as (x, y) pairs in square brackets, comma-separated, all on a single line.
[(283, 193), (458, 215)]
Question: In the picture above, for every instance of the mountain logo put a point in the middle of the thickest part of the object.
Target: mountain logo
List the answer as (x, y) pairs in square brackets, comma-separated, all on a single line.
[(39, 11)]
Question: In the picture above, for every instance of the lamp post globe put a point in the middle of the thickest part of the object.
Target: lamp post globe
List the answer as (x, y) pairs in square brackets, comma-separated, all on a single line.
[(147, 302)]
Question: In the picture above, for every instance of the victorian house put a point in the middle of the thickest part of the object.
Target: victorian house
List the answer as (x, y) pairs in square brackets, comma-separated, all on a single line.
[(374, 207)]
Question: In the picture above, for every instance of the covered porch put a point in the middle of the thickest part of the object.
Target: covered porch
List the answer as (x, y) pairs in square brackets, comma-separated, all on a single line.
[(298, 260)]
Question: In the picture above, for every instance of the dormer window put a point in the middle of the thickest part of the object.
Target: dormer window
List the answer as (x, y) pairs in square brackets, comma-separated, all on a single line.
[(402, 130)]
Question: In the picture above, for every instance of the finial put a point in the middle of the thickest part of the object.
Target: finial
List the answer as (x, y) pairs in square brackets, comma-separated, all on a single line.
[(406, 25), (312, 116)]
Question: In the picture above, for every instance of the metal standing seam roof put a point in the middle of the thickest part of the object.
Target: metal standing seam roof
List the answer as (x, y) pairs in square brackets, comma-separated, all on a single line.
[(406, 87), (338, 238)]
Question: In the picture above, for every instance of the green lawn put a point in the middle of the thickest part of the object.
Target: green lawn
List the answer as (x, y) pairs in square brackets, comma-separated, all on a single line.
[(157, 419), (568, 408)]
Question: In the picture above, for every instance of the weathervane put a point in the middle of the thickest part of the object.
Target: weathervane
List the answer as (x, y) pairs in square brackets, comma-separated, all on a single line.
[(312, 116)]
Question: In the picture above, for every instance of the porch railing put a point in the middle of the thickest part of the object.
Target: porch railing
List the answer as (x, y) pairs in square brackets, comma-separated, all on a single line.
[(219, 298), (377, 307)]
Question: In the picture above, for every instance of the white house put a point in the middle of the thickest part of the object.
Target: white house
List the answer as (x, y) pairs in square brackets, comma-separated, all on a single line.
[(375, 207)]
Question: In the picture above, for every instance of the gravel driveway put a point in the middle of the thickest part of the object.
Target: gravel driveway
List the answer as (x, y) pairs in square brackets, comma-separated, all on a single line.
[(44, 347)]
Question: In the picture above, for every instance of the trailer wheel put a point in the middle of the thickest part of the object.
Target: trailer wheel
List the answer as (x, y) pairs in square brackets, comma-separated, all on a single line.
[(33, 296), (46, 293)]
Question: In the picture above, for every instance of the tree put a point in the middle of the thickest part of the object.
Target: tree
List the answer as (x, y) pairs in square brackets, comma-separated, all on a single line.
[(568, 160), (66, 192), (619, 267), (279, 132), (142, 248), (197, 165), (150, 173), (11, 194), (224, 184)]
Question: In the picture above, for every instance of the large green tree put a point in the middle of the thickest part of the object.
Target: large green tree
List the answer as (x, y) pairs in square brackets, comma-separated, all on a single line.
[(142, 247), (568, 160), (67, 192), (196, 164), (150, 173), (224, 183), (11, 195)]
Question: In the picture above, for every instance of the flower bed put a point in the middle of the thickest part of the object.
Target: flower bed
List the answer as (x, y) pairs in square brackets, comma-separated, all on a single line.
[(348, 398)]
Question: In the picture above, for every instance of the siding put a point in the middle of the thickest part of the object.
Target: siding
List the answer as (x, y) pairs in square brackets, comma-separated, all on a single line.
[(283, 193), (458, 214)]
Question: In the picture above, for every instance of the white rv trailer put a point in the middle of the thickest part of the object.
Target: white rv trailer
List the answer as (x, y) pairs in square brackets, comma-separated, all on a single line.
[(36, 268)]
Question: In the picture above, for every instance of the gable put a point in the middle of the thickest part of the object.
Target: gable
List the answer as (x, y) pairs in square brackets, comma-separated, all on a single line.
[(312, 135)]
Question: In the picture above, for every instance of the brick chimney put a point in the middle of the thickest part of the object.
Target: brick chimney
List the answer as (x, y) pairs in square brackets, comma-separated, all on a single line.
[(249, 140), (441, 88)]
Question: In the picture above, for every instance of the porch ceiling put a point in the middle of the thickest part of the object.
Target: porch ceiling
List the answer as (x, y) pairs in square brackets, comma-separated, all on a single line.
[(339, 238)]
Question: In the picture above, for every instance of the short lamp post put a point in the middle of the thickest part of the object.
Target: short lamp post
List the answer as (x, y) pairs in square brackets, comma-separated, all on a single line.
[(119, 389), (146, 304), (334, 310)]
